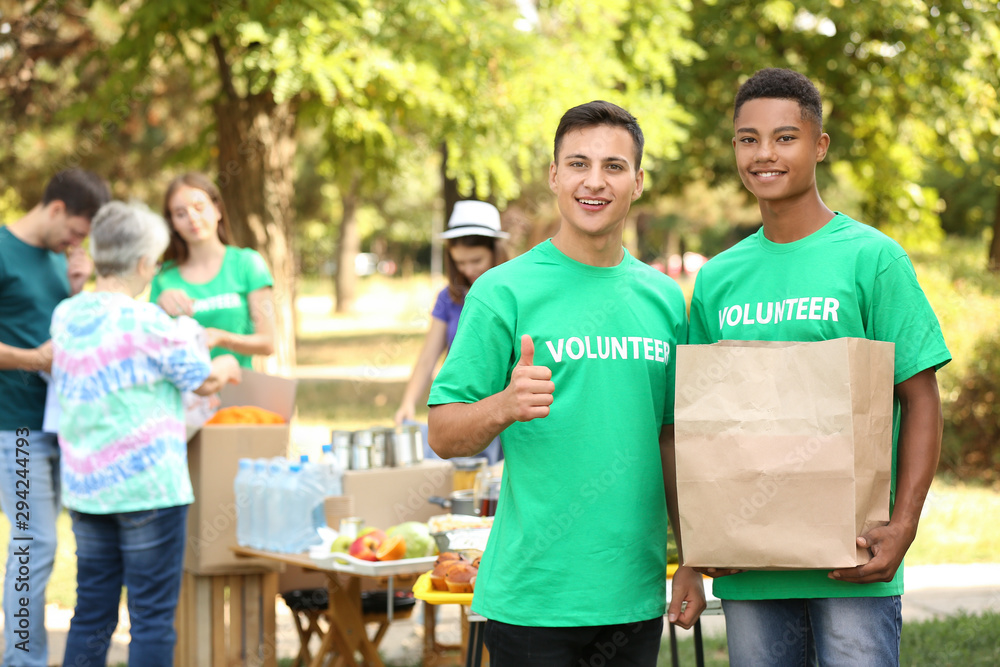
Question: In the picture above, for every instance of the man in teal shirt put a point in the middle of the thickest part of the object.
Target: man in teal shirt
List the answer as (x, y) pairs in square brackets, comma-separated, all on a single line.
[(812, 274), (35, 276)]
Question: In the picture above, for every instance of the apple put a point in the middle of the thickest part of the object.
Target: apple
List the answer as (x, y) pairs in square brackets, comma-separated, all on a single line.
[(366, 546), (341, 544)]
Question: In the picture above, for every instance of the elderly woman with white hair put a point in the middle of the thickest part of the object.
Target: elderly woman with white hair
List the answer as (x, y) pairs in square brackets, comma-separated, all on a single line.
[(119, 368)]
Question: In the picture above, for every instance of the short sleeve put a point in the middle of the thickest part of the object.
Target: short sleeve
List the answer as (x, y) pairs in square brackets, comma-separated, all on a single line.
[(479, 362), (901, 314), (256, 275), (698, 330), (442, 305), (680, 338)]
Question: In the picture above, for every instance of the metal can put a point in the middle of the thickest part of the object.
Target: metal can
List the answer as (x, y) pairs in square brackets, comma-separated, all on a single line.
[(381, 454), (416, 442), (361, 450), (399, 446), (340, 442)]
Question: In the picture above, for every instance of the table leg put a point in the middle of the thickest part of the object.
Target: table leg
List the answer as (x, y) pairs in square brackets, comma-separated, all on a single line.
[(474, 653), (699, 650), (673, 646), (345, 612)]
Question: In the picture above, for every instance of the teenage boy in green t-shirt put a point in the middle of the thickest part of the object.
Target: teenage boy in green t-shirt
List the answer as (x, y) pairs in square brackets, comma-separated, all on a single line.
[(568, 350), (812, 274)]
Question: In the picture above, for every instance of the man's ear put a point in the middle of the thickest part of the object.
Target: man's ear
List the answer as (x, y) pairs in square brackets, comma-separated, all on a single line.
[(552, 176), (640, 178), (822, 145), (55, 208)]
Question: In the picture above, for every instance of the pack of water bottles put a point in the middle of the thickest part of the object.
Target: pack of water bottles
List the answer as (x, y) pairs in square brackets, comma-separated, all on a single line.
[(279, 503)]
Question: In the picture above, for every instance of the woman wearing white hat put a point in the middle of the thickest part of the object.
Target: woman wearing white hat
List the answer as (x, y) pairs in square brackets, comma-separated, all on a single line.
[(473, 241)]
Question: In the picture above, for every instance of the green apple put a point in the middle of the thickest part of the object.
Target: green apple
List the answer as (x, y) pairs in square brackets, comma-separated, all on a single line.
[(341, 544)]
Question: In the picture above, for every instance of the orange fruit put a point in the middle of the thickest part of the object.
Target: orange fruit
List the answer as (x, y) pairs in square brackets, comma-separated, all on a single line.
[(393, 548)]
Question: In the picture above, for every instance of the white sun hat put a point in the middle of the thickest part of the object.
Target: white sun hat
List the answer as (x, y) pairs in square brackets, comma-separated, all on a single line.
[(474, 218)]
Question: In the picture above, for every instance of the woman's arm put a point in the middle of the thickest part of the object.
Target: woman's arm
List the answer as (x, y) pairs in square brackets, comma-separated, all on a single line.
[(225, 369), (261, 341), (420, 379)]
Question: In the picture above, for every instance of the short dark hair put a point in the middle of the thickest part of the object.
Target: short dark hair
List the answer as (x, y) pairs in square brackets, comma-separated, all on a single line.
[(178, 250), (596, 113), (782, 84), (82, 191)]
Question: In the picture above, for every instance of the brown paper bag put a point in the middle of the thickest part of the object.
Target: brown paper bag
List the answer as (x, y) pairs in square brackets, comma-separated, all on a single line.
[(783, 451)]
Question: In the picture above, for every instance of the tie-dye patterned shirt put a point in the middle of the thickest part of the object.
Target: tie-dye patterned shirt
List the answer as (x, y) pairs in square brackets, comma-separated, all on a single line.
[(119, 368)]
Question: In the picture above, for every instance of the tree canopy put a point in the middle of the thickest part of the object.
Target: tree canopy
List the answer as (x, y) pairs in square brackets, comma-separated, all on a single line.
[(381, 90)]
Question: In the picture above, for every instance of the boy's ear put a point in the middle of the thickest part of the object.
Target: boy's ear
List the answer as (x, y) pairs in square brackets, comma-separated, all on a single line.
[(822, 145)]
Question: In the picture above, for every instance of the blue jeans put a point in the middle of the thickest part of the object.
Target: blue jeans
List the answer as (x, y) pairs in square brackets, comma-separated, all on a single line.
[(832, 632), (143, 551), (31, 551)]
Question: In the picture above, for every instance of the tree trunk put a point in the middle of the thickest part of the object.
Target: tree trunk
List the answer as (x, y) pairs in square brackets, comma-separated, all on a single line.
[(348, 247), (256, 177), (450, 195), (994, 258)]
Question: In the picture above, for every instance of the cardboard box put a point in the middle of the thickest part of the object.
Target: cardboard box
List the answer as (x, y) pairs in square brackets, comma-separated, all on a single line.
[(384, 497), (213, 458)]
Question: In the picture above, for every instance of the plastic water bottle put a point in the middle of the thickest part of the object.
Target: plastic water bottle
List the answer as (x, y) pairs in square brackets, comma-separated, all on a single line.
[(276, 493), (333, 473), (258, 504), (310, 495), (300, 534), (243, 490)]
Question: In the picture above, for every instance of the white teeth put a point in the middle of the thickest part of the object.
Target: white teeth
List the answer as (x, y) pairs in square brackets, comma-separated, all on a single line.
[(768, 173), (595, 202)]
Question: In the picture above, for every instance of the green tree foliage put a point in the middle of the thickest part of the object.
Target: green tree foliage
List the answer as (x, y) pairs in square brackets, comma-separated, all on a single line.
[(908, 84)]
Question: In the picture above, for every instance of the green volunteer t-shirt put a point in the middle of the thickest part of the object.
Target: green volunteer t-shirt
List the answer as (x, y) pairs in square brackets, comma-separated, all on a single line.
[(579, 536), (221, 303), (32, 283), (845, 280)]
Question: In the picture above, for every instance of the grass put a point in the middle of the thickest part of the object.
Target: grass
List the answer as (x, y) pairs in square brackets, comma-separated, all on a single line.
[(952, 527)]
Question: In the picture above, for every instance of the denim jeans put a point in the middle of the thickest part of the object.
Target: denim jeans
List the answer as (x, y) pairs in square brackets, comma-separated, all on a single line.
[(143, 551), (29, 561), (832, 632), (621, 645)]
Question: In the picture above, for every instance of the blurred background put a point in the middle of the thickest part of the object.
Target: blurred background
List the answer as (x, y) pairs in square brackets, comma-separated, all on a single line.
[(341, 133)]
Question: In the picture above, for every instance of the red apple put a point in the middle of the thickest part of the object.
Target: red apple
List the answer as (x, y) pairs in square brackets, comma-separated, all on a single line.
[(366, 546)]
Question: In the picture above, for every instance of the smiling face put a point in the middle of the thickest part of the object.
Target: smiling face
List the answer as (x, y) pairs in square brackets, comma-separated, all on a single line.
[(194, 215), (777, 150), (595, 180)]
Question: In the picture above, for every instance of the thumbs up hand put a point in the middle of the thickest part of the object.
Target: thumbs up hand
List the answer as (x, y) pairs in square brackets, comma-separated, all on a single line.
[(529, 394)]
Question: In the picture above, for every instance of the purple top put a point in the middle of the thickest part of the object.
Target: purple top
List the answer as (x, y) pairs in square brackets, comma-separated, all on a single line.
[(448, 312)]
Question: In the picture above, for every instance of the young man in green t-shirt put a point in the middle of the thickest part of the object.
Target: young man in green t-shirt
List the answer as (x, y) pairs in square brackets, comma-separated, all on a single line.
[(568, 350), (812, 274), (41, 263)]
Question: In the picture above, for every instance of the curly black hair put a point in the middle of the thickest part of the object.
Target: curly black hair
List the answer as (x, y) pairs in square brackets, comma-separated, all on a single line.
[(782, 84)]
